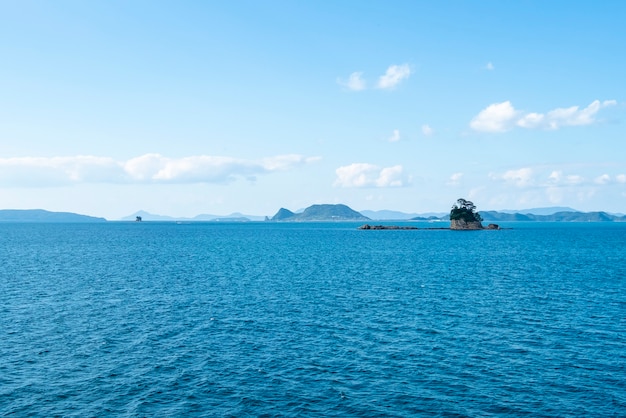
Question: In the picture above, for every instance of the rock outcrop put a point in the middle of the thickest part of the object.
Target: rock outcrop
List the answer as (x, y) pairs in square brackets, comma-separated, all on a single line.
[(463, 225), (379, 227)]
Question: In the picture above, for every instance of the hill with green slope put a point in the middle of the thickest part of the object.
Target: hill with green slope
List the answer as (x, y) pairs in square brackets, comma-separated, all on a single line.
[(320, 213)]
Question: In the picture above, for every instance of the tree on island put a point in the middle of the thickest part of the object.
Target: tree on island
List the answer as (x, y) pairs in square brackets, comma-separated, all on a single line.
[(464, 210)]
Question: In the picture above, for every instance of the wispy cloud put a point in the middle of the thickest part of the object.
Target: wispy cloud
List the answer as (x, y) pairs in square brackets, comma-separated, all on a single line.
[(528, 177), (502, 117), (393, 76), (148, 168), (455, 179), (370, 175), (522, 177), (603, 179), (557, 178), (54, 171), (490, 66), (395, 137), (355, 82), (542, 177), (427, 130), (532, 186)]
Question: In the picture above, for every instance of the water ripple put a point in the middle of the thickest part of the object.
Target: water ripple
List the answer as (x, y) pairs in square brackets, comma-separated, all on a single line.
[(311, 319)]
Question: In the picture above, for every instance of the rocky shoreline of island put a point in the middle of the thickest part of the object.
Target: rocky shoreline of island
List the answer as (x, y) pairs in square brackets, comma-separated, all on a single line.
[(490, 227)]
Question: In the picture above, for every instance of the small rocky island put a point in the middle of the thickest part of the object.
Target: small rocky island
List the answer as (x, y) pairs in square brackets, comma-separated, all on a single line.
[(463, 217)]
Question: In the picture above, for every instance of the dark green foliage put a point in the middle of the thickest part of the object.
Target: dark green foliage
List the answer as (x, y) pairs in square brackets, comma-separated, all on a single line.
[(465, 210)]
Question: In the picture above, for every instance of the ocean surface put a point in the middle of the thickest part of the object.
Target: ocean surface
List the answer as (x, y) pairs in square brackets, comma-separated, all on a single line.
[(311, 319)]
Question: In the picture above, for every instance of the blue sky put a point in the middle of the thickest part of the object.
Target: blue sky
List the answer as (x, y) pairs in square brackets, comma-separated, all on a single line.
[(183, 108)]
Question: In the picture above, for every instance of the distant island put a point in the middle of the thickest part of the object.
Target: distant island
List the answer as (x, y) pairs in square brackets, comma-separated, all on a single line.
[(319, 213), (560, 216), (494, 216), (326, 212), (233, 217), (339, 212), (40, 215)]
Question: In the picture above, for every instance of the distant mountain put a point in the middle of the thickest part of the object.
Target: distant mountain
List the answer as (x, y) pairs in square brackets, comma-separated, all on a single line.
[(387, 215), (541, 211), (320, 213), (580, 217), (343, 212), (566, 216), (40, 215), (392, 215), (431, 218), (234, 217), (145, 216), (493, 216)]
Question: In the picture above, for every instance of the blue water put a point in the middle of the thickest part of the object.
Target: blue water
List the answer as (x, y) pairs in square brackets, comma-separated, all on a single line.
[(263, 319)]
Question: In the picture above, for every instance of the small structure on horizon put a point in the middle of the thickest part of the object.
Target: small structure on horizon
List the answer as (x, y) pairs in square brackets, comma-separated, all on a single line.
[(138, 219)]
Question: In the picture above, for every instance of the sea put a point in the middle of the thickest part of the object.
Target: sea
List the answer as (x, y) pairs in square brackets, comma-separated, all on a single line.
[(264, 319)]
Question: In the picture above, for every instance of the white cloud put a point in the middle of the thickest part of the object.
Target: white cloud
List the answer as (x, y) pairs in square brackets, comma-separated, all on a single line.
[(148, 168), (427, 130), (556, 178), (143, 167), (522, 177), (489, 66), (529, 177), (531, 120), (370, 175), (572, 116), (540, 177), (204, 168), (393, 76), (541, 184), (498, 117), (395, 137), (391, 177), (603, 179), (286, 162), (455, 179), (607, 179), (35, 171), (501, 117), (355, 82)]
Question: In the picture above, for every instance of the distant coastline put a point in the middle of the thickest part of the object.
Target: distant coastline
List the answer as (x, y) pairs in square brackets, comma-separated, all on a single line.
[(324, 213), (40, 215)]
